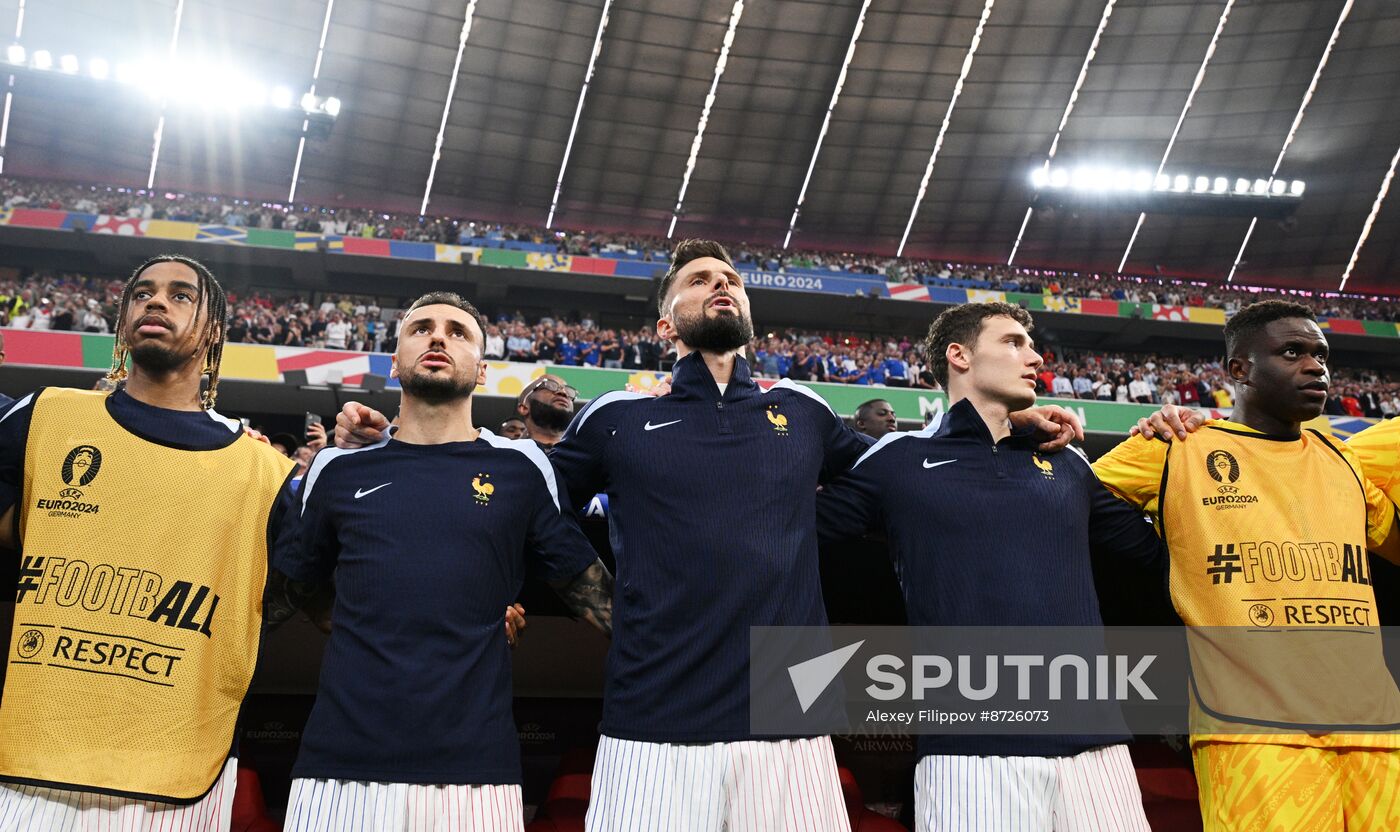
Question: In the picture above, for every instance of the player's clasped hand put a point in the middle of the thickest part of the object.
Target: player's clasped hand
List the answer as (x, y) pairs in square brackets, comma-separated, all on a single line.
[(358, 425), (515, 623), (1061, 426), (1170, 421)]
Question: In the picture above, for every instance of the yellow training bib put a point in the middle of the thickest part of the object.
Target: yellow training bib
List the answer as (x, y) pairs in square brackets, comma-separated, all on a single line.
[(138, 607), (1269, 567)]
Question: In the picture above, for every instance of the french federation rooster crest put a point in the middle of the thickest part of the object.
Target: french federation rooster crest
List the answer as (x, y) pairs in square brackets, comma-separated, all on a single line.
[(778, 420), (483, 489), (1046, 467)]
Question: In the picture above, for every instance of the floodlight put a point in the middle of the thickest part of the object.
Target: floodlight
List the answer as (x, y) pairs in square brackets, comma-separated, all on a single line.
[(247, 94), (1277, 187), (1162, 182), (308, 102), (1261, 187), (1059, 178), (68, 63), (332, 106), (1296, 187), (1181, 182), (1221, 185), (1241, 186), (1142, 181), (1040, 178), (43, 60), (1202, 184), (15, 53), (98, 68), (281, 98)]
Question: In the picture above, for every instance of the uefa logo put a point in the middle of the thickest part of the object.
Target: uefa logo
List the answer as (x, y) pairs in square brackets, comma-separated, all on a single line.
[(30, 643)]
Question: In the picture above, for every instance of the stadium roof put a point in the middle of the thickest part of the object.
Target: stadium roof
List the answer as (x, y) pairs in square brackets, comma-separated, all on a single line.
[(524, 65)]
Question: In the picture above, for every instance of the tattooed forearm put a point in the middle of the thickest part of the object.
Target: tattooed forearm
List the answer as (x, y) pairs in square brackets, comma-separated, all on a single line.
[(589, 596), (285, 597)]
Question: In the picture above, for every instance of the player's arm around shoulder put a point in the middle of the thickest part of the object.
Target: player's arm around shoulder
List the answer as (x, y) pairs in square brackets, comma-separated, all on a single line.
[(302, 554), (579, 457), (1117, 527), (1133, 470), (852, 504), (558, 550)]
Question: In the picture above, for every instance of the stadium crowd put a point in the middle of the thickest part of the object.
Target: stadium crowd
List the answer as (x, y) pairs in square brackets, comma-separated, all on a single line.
[(84, 304), (342, 221)]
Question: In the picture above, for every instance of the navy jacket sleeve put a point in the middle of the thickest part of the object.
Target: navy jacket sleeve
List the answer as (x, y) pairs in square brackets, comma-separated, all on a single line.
[(307, 546), (14, 436), (578, 458), (284, 509), (1118, 529), (557, 548), (844, 445), (849, 507)]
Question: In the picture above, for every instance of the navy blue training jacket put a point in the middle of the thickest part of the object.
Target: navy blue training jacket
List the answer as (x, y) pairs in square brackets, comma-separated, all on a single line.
[(989, 534), (712, 520)]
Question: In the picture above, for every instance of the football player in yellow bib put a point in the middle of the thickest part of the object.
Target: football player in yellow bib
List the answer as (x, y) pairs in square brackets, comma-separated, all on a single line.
[(1268, 526), (141, 518)]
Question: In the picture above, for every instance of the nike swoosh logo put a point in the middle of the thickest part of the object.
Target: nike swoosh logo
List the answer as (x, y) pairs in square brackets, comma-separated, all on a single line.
[(650, 426), (928, 464), (359, 494)]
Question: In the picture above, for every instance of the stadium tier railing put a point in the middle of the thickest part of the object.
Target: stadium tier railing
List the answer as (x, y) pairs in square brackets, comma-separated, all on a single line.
[(536, 256)]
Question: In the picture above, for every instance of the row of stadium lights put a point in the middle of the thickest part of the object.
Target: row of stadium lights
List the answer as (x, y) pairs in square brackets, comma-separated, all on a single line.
[(1107, 180), (241, 92)]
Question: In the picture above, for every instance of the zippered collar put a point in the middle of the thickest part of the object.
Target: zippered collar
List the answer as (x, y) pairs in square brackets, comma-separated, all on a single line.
[(964, 422), (691, 379)]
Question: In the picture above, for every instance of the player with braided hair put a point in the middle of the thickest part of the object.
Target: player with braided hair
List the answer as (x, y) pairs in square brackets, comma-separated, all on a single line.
[(136, 629), (209, 336)]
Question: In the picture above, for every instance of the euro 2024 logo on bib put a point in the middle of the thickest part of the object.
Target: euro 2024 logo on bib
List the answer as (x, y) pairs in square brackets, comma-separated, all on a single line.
[(1223, 466), (82, 464), (80, 467), (1225, 469)]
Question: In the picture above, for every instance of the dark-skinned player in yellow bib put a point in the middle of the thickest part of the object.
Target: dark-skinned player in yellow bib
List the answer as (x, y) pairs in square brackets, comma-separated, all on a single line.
[(1268, 525), (141, 519)]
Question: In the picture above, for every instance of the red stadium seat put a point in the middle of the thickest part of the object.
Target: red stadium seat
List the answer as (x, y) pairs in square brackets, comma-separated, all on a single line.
[(1168, 787), (862, 818), (249, 808), (567, 804)]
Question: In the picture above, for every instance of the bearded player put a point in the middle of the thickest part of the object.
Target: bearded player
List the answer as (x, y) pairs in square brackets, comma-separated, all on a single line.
[(412, 727), (142, 519), (712, 514)]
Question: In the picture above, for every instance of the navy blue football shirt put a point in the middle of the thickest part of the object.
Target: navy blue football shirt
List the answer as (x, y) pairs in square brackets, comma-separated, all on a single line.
[(427, 544), (712, 519)]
